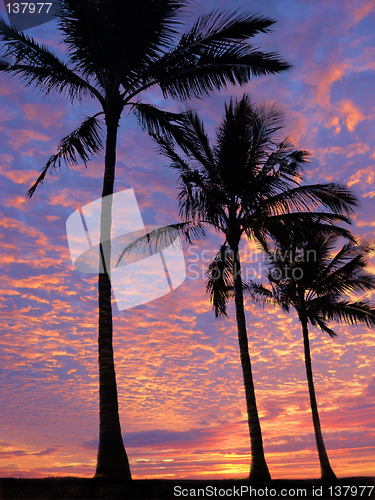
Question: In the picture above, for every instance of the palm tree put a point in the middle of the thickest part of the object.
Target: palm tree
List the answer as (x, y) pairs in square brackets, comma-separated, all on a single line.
[(116, 51), (306, 276), (246, 185)]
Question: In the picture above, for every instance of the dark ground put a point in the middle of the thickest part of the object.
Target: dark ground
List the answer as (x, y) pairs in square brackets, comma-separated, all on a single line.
[(69, 488)]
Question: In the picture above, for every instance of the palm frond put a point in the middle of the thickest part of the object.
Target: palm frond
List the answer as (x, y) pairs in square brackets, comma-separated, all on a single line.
[(215, 69), (333, 196), (36, 66), (345, 271), (347, 252), (158, 122), (259, 293), (288, 161), (196, 144), (161, 237), (353, 313), (211, 55), (322, 324), (4, 64), (244, 140), (349, 277), (82, 143), (226, 26), (219, 283), (266, 121), (324, 280), (296, 225), (100, 47)]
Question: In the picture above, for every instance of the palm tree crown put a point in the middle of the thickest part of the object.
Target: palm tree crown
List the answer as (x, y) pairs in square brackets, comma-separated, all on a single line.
[(246, 184), (306, 276), (118, 50)]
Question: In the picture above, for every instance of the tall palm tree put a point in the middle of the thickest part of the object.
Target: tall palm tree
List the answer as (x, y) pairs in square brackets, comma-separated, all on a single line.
[(246, 185), (117, 51), (306, 276)]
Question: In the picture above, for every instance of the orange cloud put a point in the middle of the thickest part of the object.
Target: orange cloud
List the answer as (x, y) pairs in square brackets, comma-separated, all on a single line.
[(19, 138), (20, 176), (366, 175), (350, 150), (52, 217), (351, 115), (370, 194), (67, 198), (358, 12), (323, 81), (15, 202)]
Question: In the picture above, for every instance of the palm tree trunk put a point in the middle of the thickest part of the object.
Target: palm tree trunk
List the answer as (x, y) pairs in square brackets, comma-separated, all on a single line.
[(112, 461), (325, 467), (258, 468)]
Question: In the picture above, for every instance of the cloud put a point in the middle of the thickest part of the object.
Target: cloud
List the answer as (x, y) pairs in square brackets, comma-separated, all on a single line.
[(20, 453), (19, 138), (359, 12), (365, 175), (351, 114), (45, 115)]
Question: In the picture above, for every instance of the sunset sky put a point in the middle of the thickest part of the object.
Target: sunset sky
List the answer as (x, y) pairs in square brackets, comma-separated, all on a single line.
[(181, 396)]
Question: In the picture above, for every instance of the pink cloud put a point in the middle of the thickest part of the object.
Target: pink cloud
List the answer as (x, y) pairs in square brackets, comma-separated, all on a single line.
[(20, 176), (351, 115), (19, 138), (45, 115), (359, 12)]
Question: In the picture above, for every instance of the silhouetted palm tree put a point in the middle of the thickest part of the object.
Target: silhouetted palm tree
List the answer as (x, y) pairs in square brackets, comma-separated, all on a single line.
[(246, 185), (117, 50), (306, 276)]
